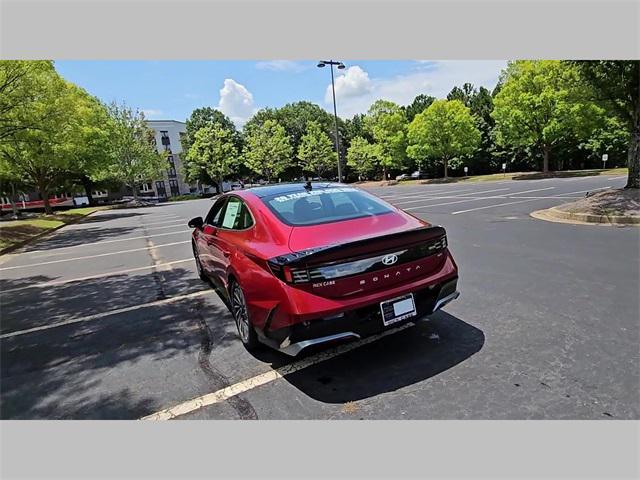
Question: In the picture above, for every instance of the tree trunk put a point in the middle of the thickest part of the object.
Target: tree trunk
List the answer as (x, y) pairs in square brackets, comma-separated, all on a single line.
[(545, 162), (44, 193), (384, 174), (88, 188), (446, 168), (633, 159), (12, 200)]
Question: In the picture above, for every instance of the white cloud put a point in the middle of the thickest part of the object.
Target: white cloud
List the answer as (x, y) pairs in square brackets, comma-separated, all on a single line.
[(151, 113), (281, 66), (358, 91), (354, 82), (236, 102)]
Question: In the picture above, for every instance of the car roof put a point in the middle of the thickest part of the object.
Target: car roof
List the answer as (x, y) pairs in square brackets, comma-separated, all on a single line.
[(280, 188)]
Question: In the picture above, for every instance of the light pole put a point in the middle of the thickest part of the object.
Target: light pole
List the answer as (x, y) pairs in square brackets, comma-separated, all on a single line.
[(340, 65)]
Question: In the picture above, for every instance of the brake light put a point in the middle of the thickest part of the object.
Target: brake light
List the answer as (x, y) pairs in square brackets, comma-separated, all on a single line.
[(289, 274)]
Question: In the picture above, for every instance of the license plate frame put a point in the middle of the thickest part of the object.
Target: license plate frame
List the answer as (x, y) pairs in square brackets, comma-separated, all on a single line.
[(397, 309)]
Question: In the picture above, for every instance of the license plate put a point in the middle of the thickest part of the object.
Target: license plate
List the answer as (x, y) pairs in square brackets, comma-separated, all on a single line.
[(397, 309)]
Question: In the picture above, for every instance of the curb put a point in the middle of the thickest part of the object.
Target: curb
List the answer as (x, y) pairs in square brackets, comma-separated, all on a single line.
[(555, 213), (26, 242)]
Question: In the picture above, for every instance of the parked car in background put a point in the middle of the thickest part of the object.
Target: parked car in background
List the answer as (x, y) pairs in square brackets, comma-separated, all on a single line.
[(404, 176), (309, 264), (417, 175)]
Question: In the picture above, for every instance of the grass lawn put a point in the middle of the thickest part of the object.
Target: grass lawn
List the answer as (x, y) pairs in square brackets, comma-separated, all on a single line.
[(15, 232), (512, 176)]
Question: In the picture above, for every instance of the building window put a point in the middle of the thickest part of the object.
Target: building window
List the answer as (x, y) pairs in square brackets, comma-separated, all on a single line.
[(146, 187), (173, 185), (160, 188), (164, 137)]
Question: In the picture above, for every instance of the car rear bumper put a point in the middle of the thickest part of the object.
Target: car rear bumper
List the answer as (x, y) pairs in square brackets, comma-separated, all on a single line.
[(357, 323)]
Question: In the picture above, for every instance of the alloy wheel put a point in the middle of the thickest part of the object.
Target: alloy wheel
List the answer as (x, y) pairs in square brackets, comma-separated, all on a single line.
[(240, 313)]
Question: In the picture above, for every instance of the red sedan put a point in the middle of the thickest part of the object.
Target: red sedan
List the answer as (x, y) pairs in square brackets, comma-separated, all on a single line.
[(308, 264)]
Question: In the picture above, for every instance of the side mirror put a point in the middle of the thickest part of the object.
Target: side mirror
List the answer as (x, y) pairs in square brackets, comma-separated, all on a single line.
[(196, 222)]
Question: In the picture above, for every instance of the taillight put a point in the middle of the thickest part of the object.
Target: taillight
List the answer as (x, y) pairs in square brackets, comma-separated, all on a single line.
[(289, 274)]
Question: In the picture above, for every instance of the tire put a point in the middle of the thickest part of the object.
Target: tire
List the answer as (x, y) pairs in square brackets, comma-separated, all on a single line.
[(246, 332), (201, 274)]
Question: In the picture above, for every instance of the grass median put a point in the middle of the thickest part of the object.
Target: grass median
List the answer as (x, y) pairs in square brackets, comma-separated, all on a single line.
[(15, 233), (507, 176)]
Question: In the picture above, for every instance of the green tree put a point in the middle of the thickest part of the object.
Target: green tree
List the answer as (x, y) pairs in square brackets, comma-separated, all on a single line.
[(37, 150), (200, 118), (442, 132), (213, 153), (20, 86), (268, 150), (363, 157), (539, 106), (315, 152), (387, 124), (616, 87), (419, 105), (88, 145), (464, 94), (135, 158)]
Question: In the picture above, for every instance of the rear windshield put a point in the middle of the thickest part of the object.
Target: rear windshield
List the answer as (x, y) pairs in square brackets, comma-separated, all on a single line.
[(324, 205)]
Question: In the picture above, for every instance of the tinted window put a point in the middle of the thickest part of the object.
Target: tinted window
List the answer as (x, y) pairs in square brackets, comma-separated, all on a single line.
[(236, 215), (213, 217), (324, 205)]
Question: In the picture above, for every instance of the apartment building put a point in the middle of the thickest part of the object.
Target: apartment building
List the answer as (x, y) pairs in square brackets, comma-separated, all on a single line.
[(167, 140)]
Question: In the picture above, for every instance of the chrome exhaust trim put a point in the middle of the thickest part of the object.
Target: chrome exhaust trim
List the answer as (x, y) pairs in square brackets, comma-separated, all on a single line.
[(443, 301), (295, 348)]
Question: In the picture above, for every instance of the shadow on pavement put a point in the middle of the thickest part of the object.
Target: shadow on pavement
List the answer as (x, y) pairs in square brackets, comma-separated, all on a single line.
[(388, 364), (72, 238), (107, 367), (33, 307)]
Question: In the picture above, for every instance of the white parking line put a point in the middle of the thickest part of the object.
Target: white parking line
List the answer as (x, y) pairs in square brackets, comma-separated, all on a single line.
[(45, 253), (531, 191), (514, 203), (97, 275), (495, 205), (618, 178), (452, 196), (168, 220), (86, 257), (173, 225), (264, 378), (98, 316)]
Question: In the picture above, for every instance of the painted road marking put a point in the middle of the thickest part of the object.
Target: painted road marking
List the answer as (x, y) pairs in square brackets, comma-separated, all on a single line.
[(531, 191), (98, 316), (86, 257), (495, 205), (97, 275), (438, 197), (264, 378), (45, 253), (513, 203)]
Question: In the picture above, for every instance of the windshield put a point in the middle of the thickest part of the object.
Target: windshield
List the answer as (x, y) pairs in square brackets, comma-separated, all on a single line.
[(324, 205)]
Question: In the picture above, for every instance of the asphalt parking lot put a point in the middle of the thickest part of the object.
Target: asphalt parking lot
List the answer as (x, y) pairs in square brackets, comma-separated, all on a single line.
[(107, 319)]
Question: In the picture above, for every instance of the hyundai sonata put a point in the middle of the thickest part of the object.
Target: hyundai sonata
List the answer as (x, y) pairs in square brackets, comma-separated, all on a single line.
[(315, 263)]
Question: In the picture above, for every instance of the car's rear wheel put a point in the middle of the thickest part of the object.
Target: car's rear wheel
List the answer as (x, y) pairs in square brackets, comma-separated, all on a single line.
[(201, 274), (241, 316)]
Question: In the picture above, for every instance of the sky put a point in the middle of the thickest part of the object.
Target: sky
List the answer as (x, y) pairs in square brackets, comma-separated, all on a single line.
[(171, 90)]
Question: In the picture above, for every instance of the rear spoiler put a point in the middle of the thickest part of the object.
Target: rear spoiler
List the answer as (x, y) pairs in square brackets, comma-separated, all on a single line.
[(358, 248)]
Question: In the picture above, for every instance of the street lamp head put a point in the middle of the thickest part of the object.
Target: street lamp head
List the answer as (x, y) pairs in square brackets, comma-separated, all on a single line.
[(341, 66), (322, 64)]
